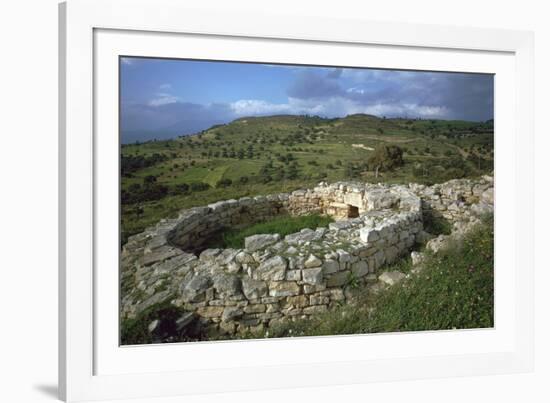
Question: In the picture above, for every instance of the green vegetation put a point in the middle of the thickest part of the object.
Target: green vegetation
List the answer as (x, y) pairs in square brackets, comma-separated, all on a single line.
[(262, 155), (284, 225), (453, 291), (386, 158), (436, 224), (135, 331)]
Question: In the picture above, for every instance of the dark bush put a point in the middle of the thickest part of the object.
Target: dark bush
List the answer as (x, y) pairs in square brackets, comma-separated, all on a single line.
[(386, 158)]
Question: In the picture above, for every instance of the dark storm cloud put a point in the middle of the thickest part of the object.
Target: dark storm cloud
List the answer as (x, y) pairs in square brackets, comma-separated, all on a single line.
[(418, 94), (312, 85)]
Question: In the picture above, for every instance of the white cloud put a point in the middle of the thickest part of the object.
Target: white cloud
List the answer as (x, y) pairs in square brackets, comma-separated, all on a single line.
[(355, 90), (407, 110), (163, 99), (335, 107), (249, 107), (165, 87)]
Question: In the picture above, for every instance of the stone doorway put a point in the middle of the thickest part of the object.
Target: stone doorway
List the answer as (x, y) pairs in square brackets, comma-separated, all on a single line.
[(353, 211)]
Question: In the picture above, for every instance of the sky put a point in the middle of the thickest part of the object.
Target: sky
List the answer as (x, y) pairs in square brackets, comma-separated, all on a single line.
[(164, 98)]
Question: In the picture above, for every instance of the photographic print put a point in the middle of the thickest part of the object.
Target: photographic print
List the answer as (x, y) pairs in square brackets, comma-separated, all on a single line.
[(264, 200)]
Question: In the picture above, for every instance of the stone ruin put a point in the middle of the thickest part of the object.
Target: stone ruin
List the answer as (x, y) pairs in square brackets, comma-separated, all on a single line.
[(274, 279)]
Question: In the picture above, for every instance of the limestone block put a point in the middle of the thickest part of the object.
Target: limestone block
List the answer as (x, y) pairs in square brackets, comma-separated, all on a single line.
[(211, 311), (253, 289), (312, 261), (312, 276), (257, 242), (338, 279), (194, 290), (360, 268), (272, 269), (391, 277), (231, 313), (368, 234), (283, 289), (330, 267)]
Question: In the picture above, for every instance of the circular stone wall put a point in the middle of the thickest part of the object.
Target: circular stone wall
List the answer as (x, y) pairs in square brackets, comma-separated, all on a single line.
[(271, 279)]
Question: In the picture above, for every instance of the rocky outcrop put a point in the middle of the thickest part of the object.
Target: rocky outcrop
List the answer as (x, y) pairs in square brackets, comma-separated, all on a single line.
[(273, 279)]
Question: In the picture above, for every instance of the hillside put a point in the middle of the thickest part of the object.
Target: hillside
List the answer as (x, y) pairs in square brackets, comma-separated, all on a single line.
[(261, 155)]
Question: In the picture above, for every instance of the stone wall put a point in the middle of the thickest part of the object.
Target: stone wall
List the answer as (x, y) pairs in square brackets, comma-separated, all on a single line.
[(274, 279)]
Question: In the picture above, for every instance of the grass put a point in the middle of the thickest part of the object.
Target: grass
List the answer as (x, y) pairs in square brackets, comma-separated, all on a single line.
[(453, 291), (436, 224), (283, 225)]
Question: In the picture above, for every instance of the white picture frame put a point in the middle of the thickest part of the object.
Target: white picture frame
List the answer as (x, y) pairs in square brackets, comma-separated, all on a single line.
[(91, 366)]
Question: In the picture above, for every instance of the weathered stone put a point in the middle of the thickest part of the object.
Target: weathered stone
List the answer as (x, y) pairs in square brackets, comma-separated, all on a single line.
[(210, 311), (312, 276), (194, 290), (417, 258), (360, 268), (184, 320), (257, 242), (298, 301), (338, 279), (209, 255), (227, 256), (313, 261), (330, 266), (160, 254), (391, 254), (318, 300), (244, 258), (481, 209), (438, 243), (255, 308), (368, 234), (233, 267), (293, 275), (227, 285), (379, 258), (228, 327), (488, 196), (391, 277), (272, 269), (292, 250), (283, 289), (231, 313), (253, 289), (153, 325), (343, 257)]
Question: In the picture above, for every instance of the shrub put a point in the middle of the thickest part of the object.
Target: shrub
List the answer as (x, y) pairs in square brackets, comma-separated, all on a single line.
[(223, 183), (386, 158), (199, 186)]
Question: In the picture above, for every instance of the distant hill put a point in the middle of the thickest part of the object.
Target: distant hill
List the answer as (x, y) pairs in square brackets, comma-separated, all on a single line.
[(269, 154)]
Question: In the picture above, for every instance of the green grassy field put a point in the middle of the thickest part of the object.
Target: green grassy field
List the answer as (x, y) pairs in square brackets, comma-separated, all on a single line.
[(262, 155), (283, 225)]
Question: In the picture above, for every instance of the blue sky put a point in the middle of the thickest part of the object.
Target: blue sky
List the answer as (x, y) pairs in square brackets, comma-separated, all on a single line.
[(163, 98)]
